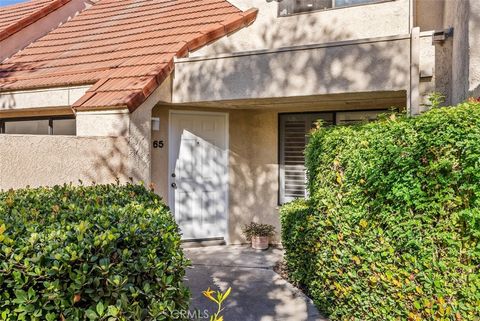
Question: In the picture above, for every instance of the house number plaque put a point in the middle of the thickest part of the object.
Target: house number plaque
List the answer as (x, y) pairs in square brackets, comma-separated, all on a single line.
[(158, 144)]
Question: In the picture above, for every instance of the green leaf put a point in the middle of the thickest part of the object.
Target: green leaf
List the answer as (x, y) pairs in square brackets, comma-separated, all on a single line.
[(91, 314), (100, 308), (112, 311), (50, 317)]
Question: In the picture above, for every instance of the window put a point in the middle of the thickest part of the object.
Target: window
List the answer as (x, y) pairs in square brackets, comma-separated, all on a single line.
[(294, 132), (290, 7), (39, 126)]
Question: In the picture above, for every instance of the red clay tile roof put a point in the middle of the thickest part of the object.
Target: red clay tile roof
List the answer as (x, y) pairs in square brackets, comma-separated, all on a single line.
[(16, 17), (125, 48)]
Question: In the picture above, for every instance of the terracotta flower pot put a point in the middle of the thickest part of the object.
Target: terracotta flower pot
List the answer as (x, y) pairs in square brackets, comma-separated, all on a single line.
[(260, 242)]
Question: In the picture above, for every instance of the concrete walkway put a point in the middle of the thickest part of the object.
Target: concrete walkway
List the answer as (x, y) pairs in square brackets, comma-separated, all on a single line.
[(258, 293)]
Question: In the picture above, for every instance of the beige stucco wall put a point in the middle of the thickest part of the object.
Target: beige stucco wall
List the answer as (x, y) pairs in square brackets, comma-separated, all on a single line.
[(48, 160), (464, 16), (429, 14), (383, 64), (41, 27), (253, 160), (136, 127), (41, 98), (458, 58), (108, 145), (270, 31)]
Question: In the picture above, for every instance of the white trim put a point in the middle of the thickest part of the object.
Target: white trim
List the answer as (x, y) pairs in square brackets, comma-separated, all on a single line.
[(171, 193), (104, 112)]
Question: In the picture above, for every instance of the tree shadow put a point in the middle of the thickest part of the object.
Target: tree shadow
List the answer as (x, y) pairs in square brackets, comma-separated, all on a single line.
[(258, 293)]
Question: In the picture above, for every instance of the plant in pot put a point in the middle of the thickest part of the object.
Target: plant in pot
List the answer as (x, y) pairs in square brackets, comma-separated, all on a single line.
[(259, 234)]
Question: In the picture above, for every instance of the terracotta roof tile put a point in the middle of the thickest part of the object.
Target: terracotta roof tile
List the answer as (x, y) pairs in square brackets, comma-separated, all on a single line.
[(124, 48), (16, 17)]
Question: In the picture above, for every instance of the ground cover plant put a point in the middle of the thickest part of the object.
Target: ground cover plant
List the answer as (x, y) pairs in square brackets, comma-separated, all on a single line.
[(392, 227), (105, 252)]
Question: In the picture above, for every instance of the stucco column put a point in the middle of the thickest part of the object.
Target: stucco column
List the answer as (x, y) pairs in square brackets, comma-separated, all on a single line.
[(113, 123), (474, 50), (413, 93)]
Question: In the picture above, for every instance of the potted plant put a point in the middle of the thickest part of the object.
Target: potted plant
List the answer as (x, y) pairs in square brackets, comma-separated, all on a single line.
[(259, 234)]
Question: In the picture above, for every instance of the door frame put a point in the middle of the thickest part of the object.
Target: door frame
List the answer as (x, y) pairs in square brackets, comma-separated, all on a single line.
[(171, 192)]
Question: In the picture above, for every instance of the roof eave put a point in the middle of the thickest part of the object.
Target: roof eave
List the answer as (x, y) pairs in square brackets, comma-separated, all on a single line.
[(34, 17)]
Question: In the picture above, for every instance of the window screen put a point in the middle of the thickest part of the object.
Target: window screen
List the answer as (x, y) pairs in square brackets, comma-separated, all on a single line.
[(294, 133)]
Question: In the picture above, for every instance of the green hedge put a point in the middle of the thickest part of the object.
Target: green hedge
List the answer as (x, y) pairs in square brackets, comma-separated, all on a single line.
[(391, 230), (106, 252)]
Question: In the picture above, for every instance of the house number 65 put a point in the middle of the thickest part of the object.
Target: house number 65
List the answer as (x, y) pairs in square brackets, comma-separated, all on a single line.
[(158, 144)]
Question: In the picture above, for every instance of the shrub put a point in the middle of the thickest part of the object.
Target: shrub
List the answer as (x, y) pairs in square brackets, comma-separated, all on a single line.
[(257, 229), (105, 252), (391, 230)]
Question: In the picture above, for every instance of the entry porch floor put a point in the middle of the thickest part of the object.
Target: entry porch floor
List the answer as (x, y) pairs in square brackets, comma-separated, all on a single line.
[(258, 293)]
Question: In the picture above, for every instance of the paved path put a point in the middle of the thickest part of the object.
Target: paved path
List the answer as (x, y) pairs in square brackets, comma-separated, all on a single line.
[(258, 293)]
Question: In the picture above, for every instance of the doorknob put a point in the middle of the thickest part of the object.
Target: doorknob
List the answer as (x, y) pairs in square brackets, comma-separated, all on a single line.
[(174, 185)]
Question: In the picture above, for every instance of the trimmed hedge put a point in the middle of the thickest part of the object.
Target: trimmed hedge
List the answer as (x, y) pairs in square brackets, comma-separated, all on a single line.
[(392, 227), (105, 252)]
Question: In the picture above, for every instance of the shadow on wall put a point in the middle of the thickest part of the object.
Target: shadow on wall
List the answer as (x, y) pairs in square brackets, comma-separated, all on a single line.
[(273, 34), (111, 163), (253, 171), (273, 31), (343, 69), (7, 101), (350, 68), (46, 160)]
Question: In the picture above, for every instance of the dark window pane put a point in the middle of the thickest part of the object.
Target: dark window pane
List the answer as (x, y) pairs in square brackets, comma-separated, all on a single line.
[(40, 127), (344, 3), (32, 127), (64, 127)]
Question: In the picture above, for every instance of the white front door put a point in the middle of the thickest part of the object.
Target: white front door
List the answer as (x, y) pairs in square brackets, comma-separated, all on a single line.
[(198, 173)]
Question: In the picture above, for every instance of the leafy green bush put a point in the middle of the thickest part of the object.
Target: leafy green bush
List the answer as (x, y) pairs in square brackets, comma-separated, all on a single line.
[(258, 229), (391, 230), (105, 252)]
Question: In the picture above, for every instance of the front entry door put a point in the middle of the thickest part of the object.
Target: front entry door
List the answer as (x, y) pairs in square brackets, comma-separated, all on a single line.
[(198, 173)]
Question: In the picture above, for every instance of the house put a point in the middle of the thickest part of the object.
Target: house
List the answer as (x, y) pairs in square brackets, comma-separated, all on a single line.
[(211, 101)]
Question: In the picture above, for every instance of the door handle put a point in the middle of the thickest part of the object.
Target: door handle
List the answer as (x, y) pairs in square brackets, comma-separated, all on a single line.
[(174, 185)]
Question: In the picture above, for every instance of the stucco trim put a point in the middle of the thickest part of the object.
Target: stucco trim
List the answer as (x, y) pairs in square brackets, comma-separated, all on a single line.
[(295, 48), (41, 98)]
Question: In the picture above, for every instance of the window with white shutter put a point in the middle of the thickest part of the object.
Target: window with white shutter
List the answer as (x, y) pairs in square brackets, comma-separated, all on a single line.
[(294, 133), (294, 130)]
